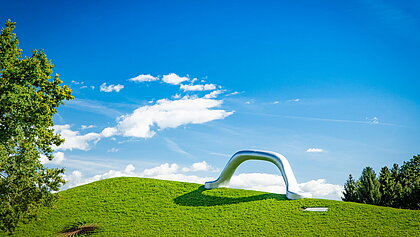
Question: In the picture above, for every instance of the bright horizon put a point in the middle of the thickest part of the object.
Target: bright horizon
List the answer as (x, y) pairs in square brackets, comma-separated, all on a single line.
[(172, 90)]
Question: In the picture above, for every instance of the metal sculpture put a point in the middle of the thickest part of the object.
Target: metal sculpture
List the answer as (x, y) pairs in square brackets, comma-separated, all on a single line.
[(292, 189)]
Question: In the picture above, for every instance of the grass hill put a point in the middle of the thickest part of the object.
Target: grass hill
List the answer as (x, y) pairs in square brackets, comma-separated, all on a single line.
[(149, 207)]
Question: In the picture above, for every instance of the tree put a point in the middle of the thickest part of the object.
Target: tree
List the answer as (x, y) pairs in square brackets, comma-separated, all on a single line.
[(369, 187), (350, 190), (29, 98), (387, 188), (410, 182), (398, 187)]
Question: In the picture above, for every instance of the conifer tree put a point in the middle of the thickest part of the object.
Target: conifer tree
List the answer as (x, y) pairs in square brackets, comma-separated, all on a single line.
[(369, 187), (387, 188), (350, 193), (398, 187), (410, 182)]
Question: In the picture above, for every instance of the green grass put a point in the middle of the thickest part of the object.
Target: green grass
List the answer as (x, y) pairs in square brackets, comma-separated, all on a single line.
[(149, 207)]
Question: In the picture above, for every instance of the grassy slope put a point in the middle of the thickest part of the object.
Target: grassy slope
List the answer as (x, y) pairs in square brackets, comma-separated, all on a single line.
[(148, 207)]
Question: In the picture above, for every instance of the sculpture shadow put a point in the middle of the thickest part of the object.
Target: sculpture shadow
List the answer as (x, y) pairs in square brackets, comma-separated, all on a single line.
[(198, 198)]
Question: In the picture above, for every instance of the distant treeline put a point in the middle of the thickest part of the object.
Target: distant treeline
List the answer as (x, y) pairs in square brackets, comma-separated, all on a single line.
[(397, 187)]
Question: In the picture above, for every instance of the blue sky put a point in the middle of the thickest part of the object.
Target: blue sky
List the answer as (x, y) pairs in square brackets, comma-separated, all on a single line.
[(331, 85)]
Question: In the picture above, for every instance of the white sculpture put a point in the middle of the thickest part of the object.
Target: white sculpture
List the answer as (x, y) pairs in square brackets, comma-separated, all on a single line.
[(292, 189)]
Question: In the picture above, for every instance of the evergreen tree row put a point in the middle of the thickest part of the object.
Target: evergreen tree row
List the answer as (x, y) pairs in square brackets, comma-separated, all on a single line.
[(397, 187)]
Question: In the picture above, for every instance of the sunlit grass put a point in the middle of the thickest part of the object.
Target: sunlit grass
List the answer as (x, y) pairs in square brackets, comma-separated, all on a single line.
[(149, 207)]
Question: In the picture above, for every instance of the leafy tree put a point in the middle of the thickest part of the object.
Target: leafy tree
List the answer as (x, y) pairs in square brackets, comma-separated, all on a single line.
[(350, 190), (369, 187), (29, 98)]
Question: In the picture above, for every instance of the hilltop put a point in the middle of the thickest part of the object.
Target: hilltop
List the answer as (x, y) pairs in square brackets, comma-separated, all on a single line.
[(149, 207)]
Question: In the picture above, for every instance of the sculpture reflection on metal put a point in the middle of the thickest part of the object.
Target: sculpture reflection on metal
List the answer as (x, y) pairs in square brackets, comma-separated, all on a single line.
[(292, 189)]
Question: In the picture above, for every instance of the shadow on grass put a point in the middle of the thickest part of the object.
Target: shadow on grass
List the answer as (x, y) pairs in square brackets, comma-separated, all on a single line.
[(197, 198)]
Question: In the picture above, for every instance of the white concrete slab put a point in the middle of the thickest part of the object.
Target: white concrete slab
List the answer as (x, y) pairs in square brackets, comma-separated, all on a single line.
[(316, 209)]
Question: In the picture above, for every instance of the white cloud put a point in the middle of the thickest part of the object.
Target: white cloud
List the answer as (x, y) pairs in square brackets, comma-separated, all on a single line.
[(77, 82), (235, 93), (88, 165), (169, 114), (276, 102), (58, 159), (143, 78), (172, 172), (175, 147), (274, 183), (111, 88), (87, 126), (258, 181), (295, 100), (163, 169), (343, 120), (113, 150), (75, 141), (93, 106), (176, 96), (199, 166), (109, 132), (76, 177), (374, 120), (213, 94), (219, 154), (314, 150), (174, 79), (205, 87), (320, 188)]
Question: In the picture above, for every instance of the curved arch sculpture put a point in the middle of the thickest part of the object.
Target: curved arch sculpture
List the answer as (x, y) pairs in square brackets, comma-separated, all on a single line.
[(292, 189)]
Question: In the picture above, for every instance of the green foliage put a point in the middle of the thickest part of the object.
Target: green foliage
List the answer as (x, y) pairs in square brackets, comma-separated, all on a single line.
[(410, 182), (28, 101), (149, 207), (350, 190), (387, 188), (369, 187), (398, 187)]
